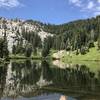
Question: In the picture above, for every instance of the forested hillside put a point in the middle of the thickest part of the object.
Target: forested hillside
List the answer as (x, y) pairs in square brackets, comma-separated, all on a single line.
[(33, 37), (78, 35)]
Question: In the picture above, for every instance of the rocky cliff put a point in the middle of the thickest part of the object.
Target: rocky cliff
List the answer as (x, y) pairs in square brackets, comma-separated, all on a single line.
[(14, 27)]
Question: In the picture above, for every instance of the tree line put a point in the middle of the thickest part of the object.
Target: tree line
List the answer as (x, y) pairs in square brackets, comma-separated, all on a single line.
[(4, 53), (78, 35)]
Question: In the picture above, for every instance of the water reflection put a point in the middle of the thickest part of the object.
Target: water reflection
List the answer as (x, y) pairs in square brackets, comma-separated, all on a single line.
[(31, 79)]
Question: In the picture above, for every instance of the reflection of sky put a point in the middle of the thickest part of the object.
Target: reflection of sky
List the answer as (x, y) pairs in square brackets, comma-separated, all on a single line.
[(50, 97), (42, 97), (69, 98)]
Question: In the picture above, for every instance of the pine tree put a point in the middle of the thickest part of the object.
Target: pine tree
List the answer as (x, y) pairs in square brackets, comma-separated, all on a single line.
[(28, 50), (1, 47), (98, 33), (5, 46)]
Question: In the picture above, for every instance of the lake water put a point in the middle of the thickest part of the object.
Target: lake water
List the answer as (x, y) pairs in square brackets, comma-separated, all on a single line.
[(42, 80)]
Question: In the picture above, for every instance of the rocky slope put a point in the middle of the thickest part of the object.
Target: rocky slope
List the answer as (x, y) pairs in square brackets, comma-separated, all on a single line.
[(14, 28)]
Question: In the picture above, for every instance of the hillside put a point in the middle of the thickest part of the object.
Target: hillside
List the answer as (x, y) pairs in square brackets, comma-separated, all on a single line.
[(78, 37), (27, 37), (15, 27), (66, 56)]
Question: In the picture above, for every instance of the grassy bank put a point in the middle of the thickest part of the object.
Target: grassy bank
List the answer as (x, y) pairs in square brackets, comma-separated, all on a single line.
[(19, 56), (92, 55), (63, 55)]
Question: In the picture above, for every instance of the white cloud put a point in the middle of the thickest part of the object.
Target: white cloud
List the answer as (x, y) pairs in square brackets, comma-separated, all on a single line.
[(98, 8), (9, 3), (90, 5), (75, 2), (96, 13), (98, 1)]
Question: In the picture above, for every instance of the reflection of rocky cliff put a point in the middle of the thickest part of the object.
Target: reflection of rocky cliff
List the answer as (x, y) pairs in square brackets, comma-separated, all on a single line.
[(23, 78), (31, 78), (3, 73)]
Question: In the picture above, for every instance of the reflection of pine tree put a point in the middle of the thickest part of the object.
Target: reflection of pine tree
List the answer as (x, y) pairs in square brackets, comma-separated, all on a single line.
[(3, 75), (46, 71), (99, 76)]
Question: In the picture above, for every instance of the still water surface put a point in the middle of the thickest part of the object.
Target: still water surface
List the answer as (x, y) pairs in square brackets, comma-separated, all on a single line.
[(41, 80)]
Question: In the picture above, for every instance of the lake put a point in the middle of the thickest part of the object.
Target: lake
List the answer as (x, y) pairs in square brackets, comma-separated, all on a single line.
[(44, 80)]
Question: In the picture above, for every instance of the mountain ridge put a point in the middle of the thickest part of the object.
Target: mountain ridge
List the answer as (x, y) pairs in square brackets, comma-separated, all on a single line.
[(14, 29)]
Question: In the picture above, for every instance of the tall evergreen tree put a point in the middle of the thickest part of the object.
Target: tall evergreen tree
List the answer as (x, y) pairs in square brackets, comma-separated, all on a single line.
[(28, 50)]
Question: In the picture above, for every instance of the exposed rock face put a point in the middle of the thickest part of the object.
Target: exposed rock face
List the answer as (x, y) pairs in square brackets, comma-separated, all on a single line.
[(59, 54), (14, 28), (14, 85)]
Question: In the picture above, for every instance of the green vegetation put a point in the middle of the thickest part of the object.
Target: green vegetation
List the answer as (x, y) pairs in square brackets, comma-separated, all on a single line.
[(47, 46), (21, 56), (4, 53), (77, 37), (92, 55), (32, 45)]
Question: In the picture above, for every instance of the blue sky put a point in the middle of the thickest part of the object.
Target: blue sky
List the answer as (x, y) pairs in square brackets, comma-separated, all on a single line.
[(50, 11)]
